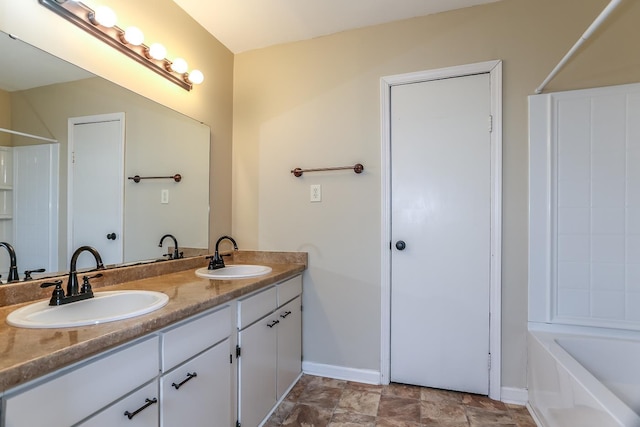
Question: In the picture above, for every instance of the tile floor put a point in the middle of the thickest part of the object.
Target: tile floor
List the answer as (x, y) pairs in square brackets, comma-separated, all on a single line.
[(324, 402)]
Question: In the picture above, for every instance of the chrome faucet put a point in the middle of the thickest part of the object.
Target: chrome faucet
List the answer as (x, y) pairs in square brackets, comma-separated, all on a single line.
[(72, 284), (217, 261), (13, 269), (176, 254)]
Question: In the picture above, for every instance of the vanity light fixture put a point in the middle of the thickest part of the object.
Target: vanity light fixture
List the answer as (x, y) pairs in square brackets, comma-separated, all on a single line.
[(101, 23)]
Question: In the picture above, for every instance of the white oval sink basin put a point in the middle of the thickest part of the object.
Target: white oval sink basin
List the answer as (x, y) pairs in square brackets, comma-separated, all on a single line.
[(236, 271), (107, 306)]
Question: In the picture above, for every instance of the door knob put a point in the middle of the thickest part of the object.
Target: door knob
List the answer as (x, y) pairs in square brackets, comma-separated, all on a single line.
[(111, 236), (400, 245)]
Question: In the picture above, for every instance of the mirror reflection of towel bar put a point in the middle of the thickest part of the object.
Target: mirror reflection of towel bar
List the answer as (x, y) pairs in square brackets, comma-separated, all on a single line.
[(357, 168), (177, 177)]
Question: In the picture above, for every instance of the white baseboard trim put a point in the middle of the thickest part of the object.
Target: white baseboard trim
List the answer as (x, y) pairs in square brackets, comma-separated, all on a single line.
[(534, 416), (366, 376), (517, 396)]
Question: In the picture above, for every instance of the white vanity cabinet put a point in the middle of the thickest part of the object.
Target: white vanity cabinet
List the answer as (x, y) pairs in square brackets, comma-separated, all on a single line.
[(269, 348), (67, 397), (196, 390)]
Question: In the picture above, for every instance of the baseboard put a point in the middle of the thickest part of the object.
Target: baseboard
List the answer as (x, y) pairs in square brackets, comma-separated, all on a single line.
[(366, 376), (517, 396)]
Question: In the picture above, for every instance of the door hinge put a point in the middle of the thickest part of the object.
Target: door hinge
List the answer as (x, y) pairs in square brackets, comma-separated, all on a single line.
[(237, 423), (490, 123), (237, 351), (489, 362), (73, 157)]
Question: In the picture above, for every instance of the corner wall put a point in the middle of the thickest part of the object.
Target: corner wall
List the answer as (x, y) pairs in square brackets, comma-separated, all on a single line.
[(316, 103)]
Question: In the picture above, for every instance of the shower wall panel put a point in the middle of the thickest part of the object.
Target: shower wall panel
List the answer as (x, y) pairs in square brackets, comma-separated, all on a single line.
[(590, 142)]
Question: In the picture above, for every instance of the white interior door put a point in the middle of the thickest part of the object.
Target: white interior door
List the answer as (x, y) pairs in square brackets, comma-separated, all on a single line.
[(96, 186), (441, 210)]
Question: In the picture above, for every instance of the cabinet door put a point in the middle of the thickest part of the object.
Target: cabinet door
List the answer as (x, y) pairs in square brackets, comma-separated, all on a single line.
[(139, 409), (257, 370), (289, 345), (196, 393)]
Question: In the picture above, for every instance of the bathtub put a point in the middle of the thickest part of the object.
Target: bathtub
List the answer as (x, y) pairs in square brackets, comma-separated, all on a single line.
[(583, 377)]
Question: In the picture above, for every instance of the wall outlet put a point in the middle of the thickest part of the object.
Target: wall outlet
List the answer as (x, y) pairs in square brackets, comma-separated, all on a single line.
[(315, 193), (164, 196)]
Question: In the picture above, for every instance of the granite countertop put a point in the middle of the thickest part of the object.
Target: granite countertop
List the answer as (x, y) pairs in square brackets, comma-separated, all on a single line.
[(26, 354)]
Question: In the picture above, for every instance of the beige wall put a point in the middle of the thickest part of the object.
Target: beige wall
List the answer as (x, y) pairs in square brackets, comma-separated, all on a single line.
[(5, 117), (163, 21), (316, 103)]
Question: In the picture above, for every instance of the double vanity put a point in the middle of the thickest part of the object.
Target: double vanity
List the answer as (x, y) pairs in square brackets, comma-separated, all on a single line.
[(220, 351)]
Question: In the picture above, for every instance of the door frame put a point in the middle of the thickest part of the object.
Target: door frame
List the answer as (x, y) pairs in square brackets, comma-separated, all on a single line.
[(71, 122), (494, 68)]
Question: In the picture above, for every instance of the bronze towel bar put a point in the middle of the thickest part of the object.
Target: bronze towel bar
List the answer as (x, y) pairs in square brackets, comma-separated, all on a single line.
[(177, 177), (357, 168)]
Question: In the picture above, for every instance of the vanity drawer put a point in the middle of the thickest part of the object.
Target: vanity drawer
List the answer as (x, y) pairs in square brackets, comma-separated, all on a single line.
[(65, 399), (186, 339), (144, 400), (256, 306), (289, 289)]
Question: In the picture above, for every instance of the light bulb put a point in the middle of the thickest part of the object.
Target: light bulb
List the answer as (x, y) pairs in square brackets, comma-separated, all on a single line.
[(134, 36), (196, 77), (105, 16), (157, 51), (179, 65)]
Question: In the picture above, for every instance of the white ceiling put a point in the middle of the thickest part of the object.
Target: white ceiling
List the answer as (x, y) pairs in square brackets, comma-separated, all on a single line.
[(243, 25)]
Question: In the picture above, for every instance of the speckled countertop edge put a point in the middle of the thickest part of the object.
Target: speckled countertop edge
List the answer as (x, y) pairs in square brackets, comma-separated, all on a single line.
[(26, 354)]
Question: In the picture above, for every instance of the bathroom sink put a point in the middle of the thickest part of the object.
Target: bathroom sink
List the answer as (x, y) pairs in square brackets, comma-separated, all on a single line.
[(104, 307), (236, 271)]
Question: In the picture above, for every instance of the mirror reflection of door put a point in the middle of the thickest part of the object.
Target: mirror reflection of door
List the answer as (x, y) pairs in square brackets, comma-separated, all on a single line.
[(96, 187)]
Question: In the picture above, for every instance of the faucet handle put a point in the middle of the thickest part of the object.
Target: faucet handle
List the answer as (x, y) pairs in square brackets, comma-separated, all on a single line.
[(58, 293), (27, 273), (86, 286), (57, 284)]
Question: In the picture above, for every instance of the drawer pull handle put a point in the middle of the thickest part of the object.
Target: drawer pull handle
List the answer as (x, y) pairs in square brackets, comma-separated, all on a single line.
[(148, 402), (189, 376), (272, 324), (286, 313)]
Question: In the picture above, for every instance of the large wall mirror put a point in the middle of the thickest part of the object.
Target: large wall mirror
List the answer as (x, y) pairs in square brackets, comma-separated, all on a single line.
[(49, 110)]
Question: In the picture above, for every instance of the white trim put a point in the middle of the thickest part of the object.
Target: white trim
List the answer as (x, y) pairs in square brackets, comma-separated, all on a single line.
[(72, 121), (534, 416), (366, 376), (494, 68), (516, 396)]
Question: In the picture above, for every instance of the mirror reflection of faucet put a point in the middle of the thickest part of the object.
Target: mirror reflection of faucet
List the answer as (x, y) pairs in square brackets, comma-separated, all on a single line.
[(216, 260), (27, 273), (13, 269), (176, 254)]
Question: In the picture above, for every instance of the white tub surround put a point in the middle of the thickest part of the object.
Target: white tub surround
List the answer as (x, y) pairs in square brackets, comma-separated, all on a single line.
[(570, 386), (584, 207)]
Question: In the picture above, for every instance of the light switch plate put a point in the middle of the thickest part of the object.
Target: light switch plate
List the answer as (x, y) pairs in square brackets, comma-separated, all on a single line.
[(164, 196)]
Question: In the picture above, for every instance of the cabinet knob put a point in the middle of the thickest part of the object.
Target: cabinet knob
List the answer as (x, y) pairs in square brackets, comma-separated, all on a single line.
[(401, 245)]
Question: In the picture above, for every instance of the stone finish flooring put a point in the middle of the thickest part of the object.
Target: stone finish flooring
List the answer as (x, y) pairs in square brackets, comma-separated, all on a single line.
[(319, 402)]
